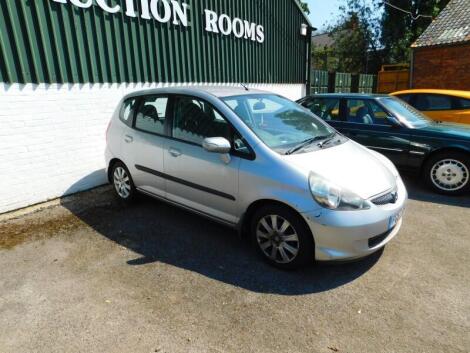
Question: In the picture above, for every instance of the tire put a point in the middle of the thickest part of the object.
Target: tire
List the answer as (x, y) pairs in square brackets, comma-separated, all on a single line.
[(122, 182), (271, 242), (448, 173)]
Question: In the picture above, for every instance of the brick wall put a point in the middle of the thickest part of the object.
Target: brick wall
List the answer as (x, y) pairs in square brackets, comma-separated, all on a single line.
[(52, 137), (442, 67)]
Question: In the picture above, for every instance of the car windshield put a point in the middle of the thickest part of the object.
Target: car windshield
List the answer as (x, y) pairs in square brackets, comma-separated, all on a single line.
[(412, 117), (280, 123)]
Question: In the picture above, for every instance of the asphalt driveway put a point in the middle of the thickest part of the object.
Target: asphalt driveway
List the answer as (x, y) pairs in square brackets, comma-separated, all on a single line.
[(91, 275)]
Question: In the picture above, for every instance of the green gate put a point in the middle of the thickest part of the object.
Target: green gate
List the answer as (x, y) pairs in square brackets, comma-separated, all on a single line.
[(342, 82), (366, 83), (319, 81)]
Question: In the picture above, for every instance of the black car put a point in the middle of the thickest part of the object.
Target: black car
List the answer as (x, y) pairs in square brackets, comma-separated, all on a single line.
[(438, 152)]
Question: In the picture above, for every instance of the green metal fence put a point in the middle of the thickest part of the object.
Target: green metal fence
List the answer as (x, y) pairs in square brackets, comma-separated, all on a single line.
[(319, 81), (366, 83), (342, 82), (45, 41), (339, 82)]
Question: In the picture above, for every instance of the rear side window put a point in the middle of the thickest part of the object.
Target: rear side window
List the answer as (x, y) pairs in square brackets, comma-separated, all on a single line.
[(127, 111), (429, 102), (325, 108), (405, 97), (152, 114)]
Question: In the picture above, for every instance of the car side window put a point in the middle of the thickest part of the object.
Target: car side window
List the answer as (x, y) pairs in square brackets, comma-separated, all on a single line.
[(463, 103), (325, 108), (152, 114), (366, 111), (429, 102), (194, 120), (127, 111), (405, 97)]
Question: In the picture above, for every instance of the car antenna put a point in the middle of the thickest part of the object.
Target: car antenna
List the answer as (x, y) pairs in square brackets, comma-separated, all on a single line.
[(244, 86)]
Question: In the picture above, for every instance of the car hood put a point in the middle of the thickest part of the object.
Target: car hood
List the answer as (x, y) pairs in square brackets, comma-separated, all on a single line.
[(457, 131), (350, 166)]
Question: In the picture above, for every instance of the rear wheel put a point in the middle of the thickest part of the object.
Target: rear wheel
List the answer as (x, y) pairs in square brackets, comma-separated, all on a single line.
[(122, 181), (281, 237), (448, 173)]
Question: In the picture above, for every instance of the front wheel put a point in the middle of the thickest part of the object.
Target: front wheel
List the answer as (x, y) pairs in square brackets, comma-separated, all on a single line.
[(448, 173), (282, 237)]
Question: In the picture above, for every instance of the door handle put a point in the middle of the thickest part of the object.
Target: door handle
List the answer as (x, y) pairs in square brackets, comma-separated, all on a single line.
[(128, 138), (175, 152)]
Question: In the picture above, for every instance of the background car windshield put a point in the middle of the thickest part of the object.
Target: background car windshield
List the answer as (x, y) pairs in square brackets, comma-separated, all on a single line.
[(277, 121), (405, 112)]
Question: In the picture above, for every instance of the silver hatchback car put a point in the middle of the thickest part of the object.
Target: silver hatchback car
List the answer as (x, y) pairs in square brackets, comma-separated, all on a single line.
[(260, 163)]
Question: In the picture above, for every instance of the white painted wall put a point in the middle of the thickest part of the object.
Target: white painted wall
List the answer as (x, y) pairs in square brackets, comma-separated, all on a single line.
[(52, 137)]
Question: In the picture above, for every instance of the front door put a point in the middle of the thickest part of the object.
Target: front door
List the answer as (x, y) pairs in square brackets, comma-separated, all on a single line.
[(367, 123), (205, 181)]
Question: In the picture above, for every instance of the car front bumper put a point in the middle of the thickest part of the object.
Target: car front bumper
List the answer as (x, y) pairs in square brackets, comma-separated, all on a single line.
[(349, 235)]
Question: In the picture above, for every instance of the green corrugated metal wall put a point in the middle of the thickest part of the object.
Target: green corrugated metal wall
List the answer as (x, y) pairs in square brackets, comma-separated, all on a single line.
[(47, 42)]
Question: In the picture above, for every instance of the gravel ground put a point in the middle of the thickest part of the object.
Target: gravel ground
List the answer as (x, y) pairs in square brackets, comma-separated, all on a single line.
[(91, 275)]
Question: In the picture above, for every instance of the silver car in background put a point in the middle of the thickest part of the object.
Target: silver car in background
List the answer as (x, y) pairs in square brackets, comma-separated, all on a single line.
[(260, 163)]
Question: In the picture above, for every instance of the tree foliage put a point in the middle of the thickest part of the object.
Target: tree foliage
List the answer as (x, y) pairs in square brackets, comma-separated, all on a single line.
[(355, 37), (369, 33), (304, 7), (399, 30)]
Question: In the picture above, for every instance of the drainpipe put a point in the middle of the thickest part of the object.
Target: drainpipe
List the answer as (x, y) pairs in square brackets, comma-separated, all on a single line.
[(412, 68), (310, 30)]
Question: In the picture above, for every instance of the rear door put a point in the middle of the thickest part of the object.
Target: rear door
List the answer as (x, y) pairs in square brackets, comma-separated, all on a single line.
[(207, 182), (144, 144)]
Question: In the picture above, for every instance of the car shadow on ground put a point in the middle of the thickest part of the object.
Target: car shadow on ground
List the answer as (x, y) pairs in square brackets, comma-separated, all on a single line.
[(419, 192), (158, 232)]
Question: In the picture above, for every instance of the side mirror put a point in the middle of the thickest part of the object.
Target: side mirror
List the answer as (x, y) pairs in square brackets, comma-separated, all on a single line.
[(394, 121), (216, 145)]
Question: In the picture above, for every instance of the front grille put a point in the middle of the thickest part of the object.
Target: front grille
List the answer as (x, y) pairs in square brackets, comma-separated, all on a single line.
[(374, 241), (390, 197)]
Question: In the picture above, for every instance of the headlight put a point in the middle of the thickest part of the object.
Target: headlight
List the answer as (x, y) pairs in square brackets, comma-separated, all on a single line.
[(334, 197)]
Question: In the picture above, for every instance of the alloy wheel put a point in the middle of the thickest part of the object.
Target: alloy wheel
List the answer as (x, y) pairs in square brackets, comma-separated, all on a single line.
[(122, 182), (449, 175), (277, 239)]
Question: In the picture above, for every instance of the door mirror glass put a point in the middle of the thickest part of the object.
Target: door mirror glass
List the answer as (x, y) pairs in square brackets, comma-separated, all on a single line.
[(216, 145), (394, 121)]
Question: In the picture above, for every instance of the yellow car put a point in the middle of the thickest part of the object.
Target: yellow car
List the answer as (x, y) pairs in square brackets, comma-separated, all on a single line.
[(439, 105)]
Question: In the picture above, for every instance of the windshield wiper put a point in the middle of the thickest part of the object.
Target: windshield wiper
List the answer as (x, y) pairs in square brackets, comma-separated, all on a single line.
[(308, 142), (328, 140)]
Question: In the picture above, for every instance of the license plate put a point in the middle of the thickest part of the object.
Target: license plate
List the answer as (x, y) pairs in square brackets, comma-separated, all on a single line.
[(393, 220)]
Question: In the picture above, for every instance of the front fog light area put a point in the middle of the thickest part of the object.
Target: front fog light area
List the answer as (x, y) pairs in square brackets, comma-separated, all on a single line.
[(334, 197)]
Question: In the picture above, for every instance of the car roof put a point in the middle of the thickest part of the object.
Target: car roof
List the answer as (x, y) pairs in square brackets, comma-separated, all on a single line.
[(447, 92), (348, 95), (217, 91)]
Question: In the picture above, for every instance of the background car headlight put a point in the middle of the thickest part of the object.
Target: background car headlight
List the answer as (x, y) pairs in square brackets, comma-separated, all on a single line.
[(334, 197)]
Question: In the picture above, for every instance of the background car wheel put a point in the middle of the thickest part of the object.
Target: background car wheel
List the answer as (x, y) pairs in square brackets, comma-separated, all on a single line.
[(282, 237), (448, 173), (122, 182)]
